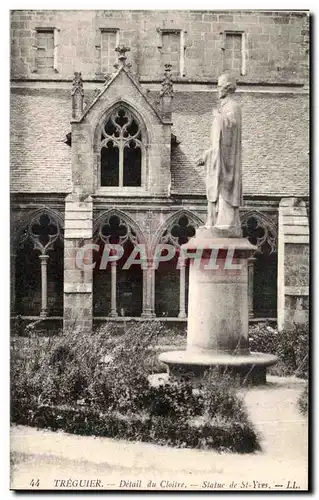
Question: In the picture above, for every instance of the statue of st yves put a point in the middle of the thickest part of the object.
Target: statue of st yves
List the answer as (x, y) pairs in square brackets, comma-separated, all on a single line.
[(223, 163)]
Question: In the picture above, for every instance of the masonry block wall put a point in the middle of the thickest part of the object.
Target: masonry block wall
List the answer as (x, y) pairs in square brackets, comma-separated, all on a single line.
[(275, 46), (268, 51), (293, 263), (77, 278)]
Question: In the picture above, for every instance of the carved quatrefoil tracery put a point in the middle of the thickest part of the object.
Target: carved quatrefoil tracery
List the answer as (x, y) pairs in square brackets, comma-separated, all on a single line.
[(121, 130), (259, 234), (179, 232), (114, 230), (43, 231)]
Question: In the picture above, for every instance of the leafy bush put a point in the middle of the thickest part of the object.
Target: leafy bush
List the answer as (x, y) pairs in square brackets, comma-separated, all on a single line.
[(220, 396), (99, 384), (291, 346), (303, 401)]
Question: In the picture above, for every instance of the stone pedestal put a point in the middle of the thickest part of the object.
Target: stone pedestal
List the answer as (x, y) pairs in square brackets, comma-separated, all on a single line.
[(217, 333)]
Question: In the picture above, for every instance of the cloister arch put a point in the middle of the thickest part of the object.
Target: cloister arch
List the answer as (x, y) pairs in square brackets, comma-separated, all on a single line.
[(117, 291), (262, 280), (171, 283), (37, 250)]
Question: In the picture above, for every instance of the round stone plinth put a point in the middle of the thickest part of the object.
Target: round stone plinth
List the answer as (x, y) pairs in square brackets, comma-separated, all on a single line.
[(249, 367)]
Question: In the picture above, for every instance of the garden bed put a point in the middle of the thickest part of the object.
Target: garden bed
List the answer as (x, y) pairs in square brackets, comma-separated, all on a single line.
[(99, 385)]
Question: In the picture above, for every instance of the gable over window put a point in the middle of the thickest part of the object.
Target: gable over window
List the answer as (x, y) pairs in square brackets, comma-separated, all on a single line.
[(122, 150)]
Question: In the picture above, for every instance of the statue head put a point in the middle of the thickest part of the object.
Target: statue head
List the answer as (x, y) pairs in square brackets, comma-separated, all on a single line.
[(226, 85)]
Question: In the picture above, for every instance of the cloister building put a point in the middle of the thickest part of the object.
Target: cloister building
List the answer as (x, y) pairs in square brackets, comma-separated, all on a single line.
[(109, 112)]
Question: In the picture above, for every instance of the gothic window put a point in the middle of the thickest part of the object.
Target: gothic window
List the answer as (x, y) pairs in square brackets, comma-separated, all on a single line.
[(121, 150)]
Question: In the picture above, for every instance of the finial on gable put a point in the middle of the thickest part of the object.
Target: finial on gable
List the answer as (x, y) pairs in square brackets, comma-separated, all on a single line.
[(122, 49), (77, 95), (167, 93), (167, 83)]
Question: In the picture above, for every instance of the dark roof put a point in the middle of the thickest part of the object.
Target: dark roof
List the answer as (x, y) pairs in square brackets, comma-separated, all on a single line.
[(274, 139)]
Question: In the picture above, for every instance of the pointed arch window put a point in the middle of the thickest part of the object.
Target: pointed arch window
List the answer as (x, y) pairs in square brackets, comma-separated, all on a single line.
[(122, 150)]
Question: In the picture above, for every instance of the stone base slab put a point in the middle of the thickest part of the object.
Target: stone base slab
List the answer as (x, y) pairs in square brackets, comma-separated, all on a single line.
[(209, 241), (219, 232), (251, 368)]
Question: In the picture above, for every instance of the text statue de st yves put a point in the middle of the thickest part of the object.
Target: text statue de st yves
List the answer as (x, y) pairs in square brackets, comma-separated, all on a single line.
[(223, 163)]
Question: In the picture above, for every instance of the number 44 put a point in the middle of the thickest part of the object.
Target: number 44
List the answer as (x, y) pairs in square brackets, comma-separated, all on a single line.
[(35, 482)]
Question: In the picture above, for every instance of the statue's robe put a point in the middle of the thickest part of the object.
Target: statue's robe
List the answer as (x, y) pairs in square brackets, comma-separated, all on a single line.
[(223, 159)]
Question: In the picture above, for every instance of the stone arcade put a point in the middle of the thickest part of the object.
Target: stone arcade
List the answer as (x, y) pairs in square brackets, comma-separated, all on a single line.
[(125, 171)]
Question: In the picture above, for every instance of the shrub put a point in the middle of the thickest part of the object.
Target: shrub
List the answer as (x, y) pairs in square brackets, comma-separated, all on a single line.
[(303, 401), (220, 396), (291, 346), (99, 385)]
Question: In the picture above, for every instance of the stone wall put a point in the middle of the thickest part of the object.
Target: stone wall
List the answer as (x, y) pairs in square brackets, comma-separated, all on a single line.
[(77, 281), (293, 263), (275, 47)]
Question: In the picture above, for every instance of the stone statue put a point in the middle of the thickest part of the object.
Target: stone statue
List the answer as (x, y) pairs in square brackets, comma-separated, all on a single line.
[(223, 163)]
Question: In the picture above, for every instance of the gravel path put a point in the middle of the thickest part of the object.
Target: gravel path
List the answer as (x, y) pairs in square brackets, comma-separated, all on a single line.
[(58, 460)]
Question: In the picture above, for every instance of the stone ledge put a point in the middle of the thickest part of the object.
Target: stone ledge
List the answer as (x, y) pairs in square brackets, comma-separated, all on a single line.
[(296, 238), (81, 224), (297, 290), (295, 220), (78, 215), (77, 287), (296, 229), (77, 234)]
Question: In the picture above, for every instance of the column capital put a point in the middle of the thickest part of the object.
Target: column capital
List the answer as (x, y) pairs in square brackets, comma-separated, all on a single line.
[(251, 260), (43, 257), (182, 261)]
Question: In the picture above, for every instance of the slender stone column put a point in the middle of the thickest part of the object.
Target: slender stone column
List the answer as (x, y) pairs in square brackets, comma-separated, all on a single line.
[(182, 310), (44, 286), (250, 263), (113, 313), (149, 291)]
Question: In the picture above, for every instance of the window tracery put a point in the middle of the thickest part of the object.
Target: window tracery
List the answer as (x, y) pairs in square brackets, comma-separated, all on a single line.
[(43, 230), (114, 230), (179, 232), (260, 234), (121, 150)]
